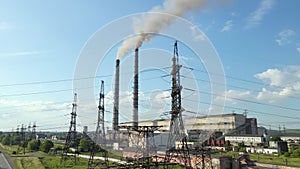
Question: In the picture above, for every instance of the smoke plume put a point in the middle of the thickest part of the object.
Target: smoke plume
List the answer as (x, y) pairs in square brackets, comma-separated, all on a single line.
[(157, 23)]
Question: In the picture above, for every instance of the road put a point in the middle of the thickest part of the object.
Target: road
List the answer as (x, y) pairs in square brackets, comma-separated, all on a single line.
[(4, 163)]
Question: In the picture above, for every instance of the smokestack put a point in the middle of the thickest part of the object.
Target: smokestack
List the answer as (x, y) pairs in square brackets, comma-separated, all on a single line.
[(136, 89), (153, 23), (116, 97)]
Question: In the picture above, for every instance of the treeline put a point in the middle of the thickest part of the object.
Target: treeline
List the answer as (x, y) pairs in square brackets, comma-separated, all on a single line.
[(15, 139), (12, 139)]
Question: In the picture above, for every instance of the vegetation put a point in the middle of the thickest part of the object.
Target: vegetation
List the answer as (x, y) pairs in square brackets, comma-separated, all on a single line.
[(34, 145), (84, 145), (46, 145), (275, 138), (28, 162), (265, 158)]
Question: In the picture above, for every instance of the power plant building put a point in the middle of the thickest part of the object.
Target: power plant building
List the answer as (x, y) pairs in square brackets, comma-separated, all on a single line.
[(227, 123)]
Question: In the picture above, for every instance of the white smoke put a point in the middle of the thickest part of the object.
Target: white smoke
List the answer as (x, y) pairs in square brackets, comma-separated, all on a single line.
[(157, 23)]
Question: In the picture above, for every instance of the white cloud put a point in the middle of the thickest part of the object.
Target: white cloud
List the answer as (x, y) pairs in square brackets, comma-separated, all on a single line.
[(256, 17), (283, 83), (5, 26), (298, 50), (228, 25), (15, 112), (285, 77), (273, 96), (23, 53), (284, 37), (232, 96)]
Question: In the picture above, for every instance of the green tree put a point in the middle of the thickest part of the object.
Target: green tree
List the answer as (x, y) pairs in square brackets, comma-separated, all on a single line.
[(5, 140), (46, 145), (275, 138), (286, 154), (34, 145), (84, 145), (16, 140), (295, 153)]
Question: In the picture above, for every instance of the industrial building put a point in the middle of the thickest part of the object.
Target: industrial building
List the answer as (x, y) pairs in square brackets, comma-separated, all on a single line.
[(232, 123)]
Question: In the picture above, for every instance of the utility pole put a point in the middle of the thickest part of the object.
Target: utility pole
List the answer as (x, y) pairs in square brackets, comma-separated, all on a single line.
[(177, 132), (99, 137), (71, 141)]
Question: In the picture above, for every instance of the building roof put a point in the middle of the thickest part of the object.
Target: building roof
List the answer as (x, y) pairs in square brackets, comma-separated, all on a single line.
[(244, 135)]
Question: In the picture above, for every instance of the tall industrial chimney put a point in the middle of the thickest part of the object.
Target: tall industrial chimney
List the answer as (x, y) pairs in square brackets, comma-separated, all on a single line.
[(136, 89), (116, 97)]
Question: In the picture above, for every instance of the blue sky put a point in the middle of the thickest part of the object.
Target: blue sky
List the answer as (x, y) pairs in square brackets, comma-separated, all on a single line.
[(40, 41)]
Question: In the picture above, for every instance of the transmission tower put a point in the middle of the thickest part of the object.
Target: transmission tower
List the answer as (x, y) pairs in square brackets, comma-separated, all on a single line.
[(23, 138), (71, 141), (33, 131), (179, 155), (99, 137)]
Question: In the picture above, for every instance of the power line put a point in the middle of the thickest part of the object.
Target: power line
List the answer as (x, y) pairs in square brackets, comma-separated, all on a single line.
[(232, 86), (243, 109), (70, 79), (233, 77), (249, 101)]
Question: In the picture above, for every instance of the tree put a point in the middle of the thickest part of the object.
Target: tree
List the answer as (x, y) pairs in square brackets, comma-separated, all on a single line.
[(34, 145), (275, 138), (295, 153), (46, 146), (16, 140), (5, 140), (84, 145)]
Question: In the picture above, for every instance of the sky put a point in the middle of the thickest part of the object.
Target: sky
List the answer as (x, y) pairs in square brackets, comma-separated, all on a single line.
[(250, 54)]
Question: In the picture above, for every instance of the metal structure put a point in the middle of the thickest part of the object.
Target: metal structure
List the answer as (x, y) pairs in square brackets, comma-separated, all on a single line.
[(33, 131), (142, 146), (177, 155), (23, 138), (99, 137), (202, 158), (71, 139)]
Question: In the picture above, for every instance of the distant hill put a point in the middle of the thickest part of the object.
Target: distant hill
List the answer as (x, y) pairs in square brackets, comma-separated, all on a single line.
[(287, 131)]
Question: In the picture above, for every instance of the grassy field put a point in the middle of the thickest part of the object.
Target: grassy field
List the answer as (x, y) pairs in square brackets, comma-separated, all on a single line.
[(281, 160), (53, 162), (272, 159), (28, 162)]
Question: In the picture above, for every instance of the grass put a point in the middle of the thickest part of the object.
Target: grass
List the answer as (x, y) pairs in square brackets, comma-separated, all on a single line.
[(53, 162), (264, 158), (280, 160), (28, 163)]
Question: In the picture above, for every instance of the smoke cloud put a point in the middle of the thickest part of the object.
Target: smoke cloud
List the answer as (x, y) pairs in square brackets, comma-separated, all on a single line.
[(157, 23)]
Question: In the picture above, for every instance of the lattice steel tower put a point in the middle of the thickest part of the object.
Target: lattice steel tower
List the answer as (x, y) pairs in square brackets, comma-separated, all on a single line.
[(71, 140), (33, 132), (99, 137), (177, 132)]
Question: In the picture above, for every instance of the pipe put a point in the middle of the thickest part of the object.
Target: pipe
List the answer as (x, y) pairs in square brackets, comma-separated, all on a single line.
[(116, 97)]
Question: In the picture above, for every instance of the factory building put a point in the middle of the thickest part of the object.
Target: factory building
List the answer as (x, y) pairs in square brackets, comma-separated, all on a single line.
[(226, 123)]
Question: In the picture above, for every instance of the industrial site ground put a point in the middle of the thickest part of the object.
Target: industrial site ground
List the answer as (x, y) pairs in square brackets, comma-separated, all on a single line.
[(41, 160)]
